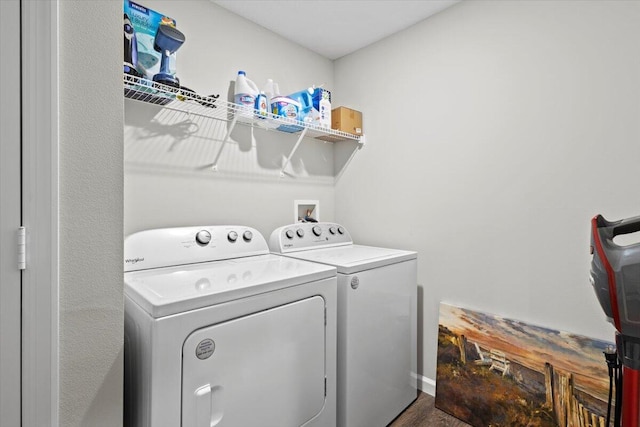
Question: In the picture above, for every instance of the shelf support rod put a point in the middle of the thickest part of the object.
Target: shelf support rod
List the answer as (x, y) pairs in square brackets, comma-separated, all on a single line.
[(232, 125), (359, 144), (295, 147)]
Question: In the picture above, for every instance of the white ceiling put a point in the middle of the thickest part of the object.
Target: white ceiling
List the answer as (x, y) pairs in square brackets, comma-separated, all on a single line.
[(334, 28)]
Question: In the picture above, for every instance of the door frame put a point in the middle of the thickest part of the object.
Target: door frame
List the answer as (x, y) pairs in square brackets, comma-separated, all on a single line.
[(10, 216), (40, 284)]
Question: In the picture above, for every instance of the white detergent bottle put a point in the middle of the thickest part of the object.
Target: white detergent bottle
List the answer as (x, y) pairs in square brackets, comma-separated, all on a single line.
[(276, 94), (269, 92), (245, 97)]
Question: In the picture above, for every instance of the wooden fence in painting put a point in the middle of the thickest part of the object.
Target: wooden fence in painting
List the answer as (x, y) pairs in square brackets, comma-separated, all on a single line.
[(562, 399), (561, 396), (461, 342)]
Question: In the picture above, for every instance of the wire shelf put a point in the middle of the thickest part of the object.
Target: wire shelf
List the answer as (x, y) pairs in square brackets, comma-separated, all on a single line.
[(181, 99)]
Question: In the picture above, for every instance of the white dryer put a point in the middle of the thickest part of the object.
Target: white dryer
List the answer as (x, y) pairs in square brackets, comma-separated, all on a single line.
[(218, 332), (377, 319)]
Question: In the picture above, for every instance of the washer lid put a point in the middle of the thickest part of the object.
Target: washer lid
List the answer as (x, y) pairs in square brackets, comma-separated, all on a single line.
[(170, 290), (354, 258)]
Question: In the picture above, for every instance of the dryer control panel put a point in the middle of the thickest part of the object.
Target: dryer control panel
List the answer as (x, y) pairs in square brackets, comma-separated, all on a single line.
[(167, 247), (308, 235)]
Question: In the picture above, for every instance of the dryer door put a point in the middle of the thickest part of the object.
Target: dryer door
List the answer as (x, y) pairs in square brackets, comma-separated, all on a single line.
[(264, 369)]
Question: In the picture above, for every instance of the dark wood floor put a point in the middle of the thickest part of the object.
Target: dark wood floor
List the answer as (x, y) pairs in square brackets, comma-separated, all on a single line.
[(423, 413)]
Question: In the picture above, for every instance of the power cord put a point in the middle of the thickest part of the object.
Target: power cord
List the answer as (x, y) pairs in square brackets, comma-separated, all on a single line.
[(615, 374)]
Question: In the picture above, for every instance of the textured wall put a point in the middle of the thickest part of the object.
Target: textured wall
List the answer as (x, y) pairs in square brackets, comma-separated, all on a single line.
[(497, 130), (91, 212), (168, 155)]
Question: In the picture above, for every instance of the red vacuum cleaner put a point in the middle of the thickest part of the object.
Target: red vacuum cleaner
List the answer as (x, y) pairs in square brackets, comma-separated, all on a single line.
[(615, 277)]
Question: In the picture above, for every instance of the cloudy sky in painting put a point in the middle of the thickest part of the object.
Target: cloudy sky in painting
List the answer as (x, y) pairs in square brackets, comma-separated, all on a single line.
[(532, 345)]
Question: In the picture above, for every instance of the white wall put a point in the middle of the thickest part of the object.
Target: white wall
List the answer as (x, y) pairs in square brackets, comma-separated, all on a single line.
[(168, 179), (91, 177), (495, 131), (90, 220)]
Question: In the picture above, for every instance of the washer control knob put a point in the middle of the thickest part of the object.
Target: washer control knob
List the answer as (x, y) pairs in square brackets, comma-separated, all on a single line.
[(232, 236), (332, 230), (300, 232), (247, 236), (289, 234), (203, 237), (317, 230), (340, 230)]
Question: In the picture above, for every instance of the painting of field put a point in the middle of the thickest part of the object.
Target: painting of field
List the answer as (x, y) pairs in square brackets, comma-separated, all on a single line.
[(501, 372)]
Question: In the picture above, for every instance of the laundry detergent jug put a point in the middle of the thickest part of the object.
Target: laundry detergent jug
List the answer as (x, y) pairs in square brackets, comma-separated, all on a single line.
[(305, 99), (245, 97), (287, 108)]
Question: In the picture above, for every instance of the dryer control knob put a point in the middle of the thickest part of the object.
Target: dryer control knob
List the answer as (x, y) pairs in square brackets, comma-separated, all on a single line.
[(317, 230), (332, 230), (289, 234), (300, 232), (340, 230), (247, 236), (203, 237), (232, 236)]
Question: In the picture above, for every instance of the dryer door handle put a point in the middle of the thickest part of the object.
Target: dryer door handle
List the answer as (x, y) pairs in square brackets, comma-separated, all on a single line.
[(203, 406), (206, 414)]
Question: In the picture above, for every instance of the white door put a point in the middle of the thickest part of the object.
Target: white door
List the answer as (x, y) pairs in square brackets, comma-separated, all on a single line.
[(272, 362), (10, 212)]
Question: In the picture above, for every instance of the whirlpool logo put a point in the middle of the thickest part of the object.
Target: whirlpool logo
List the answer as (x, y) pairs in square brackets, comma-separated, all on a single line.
[(133, 260)]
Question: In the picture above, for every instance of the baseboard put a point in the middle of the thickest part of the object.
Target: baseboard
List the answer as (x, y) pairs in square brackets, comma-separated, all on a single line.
[(427, 385)]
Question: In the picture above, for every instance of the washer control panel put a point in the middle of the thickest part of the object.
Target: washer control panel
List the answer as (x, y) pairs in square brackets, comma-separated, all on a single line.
[(188, 245), (308, 235)]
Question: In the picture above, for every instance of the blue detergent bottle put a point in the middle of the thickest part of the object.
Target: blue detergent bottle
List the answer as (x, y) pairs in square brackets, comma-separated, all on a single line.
[(262, 106), (305, 99)]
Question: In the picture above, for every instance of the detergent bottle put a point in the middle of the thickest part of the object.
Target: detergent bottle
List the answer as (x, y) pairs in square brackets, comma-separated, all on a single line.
[(263, 100), (245, 97), (305, 99), (321, 111), (269, 90), (262, 106), (286, 108)]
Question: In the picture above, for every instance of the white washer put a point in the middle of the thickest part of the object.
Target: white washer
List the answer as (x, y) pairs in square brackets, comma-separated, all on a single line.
[(377, 319), (218, 332)]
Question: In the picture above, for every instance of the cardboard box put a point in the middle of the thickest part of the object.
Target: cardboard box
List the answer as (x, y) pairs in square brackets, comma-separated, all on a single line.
[(346, 120)]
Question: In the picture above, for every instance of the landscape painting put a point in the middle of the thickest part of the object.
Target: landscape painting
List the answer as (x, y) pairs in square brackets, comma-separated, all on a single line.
[(498, 372)]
